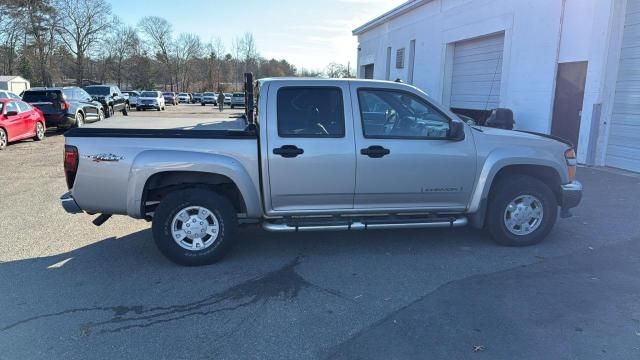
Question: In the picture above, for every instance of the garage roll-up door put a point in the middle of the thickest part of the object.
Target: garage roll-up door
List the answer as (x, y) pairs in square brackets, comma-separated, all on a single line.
[(477, 71), (623, 149)]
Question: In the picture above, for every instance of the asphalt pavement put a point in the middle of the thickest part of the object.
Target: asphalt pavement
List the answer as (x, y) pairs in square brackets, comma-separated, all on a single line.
[(71, 290)]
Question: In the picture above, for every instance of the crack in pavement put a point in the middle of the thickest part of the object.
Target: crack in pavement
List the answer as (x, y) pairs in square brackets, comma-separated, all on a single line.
[(284, 284)]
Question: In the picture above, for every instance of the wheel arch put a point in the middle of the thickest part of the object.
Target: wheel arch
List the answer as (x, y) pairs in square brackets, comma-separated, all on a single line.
[(155, 173), (547, 172)]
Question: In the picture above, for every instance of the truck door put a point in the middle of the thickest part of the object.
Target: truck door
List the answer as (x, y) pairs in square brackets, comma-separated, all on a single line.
[(405, 158), (310, 147)]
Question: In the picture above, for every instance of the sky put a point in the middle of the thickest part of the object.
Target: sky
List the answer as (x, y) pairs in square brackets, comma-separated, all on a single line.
[(309, 34)]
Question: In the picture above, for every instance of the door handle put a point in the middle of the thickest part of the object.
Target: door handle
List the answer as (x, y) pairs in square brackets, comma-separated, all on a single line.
[(288, 151), (375, 151)]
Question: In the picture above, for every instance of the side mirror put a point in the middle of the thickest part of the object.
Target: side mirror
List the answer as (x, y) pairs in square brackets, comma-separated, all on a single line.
[(11, 113), (456, 131)]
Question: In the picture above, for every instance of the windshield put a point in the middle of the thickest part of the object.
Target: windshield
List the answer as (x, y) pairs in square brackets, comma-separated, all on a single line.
[(238, 95), (42, 96), (168, 94), (184, 94), (150, 94), (208, 94), (97, 90)]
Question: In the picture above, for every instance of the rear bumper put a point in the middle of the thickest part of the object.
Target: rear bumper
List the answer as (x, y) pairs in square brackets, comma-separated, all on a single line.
[(69, 204), (59, 120), (571, 195)]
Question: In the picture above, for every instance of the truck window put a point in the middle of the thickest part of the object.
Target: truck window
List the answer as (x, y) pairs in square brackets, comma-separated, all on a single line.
[(388, 114), (310, 112)]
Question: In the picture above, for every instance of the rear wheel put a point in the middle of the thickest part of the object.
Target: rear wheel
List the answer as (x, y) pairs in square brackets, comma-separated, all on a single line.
[(79, 120), (3, 139), (522, 211), (39, 132), (194, 227)]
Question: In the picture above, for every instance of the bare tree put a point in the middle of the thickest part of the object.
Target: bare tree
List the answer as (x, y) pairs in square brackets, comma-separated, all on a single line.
[(334, 70), (81, 27), (159, 34), (187, 48), (121, 45)]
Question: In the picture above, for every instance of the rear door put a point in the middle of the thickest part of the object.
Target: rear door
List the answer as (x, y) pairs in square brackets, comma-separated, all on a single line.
[(28, 118), (310, 149), (405, 159), (86, 103)]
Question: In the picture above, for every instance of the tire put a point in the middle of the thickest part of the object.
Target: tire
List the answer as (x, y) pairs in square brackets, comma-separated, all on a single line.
[(3, 139), (159, 108), (233, 106), (203, 104), (166, 222), (518, 190), (39, 132), (125, 111), (79, 120), (111, 112), (100, 115)]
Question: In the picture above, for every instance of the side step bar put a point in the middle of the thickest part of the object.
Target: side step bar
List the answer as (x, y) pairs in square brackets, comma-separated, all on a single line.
[(357, 225)]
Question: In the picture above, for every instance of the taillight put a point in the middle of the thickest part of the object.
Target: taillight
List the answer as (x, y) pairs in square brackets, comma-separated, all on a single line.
[(572, 163), (70, 164), (64, 105)]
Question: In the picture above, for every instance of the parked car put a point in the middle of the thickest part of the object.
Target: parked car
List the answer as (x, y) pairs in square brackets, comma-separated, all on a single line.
[(4, 94), (237, 99), (209, 98), (171, 98), (110, 97), (65, 107), (184, 98), (227, 98), (196, 98), (132, 97), (328, 155), (19, 121), (151, 100)]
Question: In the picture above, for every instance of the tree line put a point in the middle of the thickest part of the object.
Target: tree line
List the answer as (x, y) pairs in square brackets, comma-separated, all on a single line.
[(65, 42)]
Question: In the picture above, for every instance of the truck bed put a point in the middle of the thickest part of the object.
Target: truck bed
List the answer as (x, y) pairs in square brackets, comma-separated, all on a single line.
[(165, 123)]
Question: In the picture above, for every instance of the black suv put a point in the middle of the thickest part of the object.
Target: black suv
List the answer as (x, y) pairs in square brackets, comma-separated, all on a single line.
[(64, 107), (110, 97)]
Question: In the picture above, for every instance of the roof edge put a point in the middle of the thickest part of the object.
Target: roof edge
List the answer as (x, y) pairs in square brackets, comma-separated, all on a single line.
[(393, 13)]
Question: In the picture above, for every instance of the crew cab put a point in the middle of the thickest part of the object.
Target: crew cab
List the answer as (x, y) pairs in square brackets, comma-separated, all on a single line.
[(322, 154)]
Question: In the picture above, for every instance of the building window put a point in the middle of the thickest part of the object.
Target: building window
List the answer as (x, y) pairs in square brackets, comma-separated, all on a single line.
[(400, 59)]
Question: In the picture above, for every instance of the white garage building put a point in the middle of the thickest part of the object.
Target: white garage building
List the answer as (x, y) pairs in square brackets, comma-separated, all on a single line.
[(15, 84), (565, 67)]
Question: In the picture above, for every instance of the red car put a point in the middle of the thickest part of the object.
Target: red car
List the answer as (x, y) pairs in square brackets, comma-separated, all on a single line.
[(18, 121)]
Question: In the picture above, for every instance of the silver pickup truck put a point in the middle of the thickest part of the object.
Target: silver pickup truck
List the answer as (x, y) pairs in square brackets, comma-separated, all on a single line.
[(322, 155)]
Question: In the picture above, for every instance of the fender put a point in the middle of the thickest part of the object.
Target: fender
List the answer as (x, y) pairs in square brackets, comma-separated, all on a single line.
[(503, 157), (151, 162)]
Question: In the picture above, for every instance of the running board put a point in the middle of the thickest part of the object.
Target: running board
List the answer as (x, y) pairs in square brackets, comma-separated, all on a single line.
[(357, 225)]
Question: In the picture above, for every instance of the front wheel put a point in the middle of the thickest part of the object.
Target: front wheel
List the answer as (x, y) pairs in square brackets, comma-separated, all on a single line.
[(125, 111), (522, 211), (194, 227), (39, 132)]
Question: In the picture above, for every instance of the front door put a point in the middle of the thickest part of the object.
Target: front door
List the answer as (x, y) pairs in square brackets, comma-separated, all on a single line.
[(14, 123), (310, 151), (404, 157), (567, 109)]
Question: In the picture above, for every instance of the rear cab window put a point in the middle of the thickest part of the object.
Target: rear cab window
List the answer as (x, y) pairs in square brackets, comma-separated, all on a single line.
[(316, 112)]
